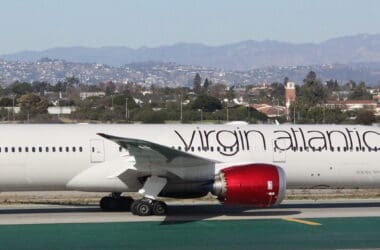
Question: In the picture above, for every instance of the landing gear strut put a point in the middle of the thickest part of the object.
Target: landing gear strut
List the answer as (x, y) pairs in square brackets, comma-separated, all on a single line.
[(146, 206), (116, 202)]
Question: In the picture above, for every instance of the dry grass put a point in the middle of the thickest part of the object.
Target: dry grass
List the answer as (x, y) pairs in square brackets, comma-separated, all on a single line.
[(84, 198)]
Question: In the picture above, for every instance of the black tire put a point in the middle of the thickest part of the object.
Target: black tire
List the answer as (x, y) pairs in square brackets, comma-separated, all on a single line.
[(159, 208), (125, 203), (134, 207), (144, 209), (108, 204)]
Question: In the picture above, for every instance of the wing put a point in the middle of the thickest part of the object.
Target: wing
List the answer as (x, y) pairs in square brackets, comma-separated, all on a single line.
[(151, 154)]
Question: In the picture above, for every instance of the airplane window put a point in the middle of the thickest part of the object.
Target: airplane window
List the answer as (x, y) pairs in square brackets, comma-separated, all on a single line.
[(192, 149), (363, 149), (6, 149), (0, 149), (19, 149), (67, 149), (60, 149), (93, 149), (212, 149), (53, 149), (199, 148), (119, 149), (179, 148), (357, 148), (301, 149), (74, 149), (40, 149), (47, 149), (332, 149), (338, 148), (218, 148), (369, 149), (231, 149), (26, 149), (80, 149), (13, 149)]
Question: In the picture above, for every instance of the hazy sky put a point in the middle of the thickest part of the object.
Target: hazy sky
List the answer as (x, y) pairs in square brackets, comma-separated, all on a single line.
[(42, 24)]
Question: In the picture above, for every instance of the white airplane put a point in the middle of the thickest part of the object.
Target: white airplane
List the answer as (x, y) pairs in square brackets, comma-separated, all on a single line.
[(240, 164)]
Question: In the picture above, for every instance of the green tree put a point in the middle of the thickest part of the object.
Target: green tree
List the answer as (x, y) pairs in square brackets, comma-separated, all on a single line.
[(206, 86), (206, 103), (360, 92), (365, 117), (197, 88), (20, 88), (312, 91), (33, 104)]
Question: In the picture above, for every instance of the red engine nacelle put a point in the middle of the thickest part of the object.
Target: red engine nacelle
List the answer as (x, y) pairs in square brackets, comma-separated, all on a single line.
[(260, 185)]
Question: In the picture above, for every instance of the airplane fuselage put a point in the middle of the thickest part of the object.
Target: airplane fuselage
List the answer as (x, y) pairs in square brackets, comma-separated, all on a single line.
[(47, 157)]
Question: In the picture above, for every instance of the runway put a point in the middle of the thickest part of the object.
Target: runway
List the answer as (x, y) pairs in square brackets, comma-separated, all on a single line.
[(293, 225), (47, 214)]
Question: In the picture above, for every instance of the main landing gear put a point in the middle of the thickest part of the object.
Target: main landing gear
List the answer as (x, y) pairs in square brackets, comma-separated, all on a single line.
[(143, 207), (146, 206)]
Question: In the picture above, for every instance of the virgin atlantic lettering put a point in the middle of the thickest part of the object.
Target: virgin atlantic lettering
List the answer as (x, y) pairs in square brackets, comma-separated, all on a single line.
[(233, 141)]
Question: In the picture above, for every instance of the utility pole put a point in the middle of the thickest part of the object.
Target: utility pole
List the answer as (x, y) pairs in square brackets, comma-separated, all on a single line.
[(13, 107), (126, 109), (227, 111), (181, 108)]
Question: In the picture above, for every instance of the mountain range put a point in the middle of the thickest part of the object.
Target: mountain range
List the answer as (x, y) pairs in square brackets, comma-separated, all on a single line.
[(362, 48)]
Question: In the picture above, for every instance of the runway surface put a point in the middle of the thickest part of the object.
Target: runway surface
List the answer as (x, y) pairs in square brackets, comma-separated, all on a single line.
[(293, 225), (45, 214)]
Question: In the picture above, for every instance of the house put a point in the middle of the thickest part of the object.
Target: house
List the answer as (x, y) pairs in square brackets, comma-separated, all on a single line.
[(269, 110)]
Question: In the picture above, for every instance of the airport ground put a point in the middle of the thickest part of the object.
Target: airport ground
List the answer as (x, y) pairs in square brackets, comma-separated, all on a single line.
[(334, 223)]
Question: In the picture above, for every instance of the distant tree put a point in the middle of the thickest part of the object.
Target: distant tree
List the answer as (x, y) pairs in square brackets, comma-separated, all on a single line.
[(278, 91), (206, 103), (110, 88), (365, 117), (217, 90), (33, 104), (286, 80), (6, 102), (20, 88), (197, 84), (206, 86), (230, 95), (332, 85), (312, 91), (360, 92), (39, 87)]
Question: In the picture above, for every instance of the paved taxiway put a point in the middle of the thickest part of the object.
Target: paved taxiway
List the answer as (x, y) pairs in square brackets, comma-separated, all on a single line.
[(46, 214), (293, 225)]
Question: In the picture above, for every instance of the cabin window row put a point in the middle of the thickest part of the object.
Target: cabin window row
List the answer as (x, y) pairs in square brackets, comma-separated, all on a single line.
[(337, 149), (212, 149), (40, 149)]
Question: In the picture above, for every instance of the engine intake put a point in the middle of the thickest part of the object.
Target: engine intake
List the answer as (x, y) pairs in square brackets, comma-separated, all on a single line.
[(260, 185)]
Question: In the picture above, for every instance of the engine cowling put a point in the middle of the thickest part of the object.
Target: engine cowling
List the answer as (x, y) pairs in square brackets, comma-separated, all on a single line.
[(260, 185)]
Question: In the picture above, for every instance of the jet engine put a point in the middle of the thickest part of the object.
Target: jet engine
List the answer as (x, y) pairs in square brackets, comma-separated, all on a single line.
[(259, 185)]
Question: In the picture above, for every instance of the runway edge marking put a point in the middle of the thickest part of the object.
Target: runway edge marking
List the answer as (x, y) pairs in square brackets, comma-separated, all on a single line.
[(306, 222)]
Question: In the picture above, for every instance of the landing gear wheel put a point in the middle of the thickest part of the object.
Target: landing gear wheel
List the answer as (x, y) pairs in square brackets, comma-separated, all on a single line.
[(144, 208), (134, 207), (159, 208)]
